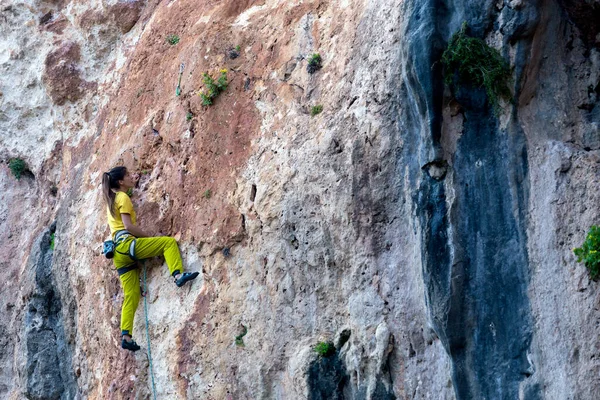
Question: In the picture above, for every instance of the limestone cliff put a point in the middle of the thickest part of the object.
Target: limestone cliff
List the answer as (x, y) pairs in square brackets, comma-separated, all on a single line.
[(425, 235)]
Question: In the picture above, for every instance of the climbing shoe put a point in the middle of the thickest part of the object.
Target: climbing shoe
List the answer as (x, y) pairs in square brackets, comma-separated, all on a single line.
[(186, 276), (133, 346)]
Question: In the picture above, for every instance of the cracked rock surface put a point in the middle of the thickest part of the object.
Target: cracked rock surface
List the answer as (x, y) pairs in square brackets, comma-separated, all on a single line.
[(426, 236)]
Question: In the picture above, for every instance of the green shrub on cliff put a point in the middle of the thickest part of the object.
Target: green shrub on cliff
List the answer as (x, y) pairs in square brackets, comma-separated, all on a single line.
[(316, 110), (314, 63), (239, 339), (213, 87), (469, 60), (18, 167), (172, 39), (589, 252), (325, 349)]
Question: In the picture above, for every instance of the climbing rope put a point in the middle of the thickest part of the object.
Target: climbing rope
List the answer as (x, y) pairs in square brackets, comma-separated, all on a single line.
[(147, 331)]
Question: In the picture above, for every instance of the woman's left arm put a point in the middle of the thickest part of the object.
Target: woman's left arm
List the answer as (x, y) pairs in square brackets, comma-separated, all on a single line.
[(131, 228)]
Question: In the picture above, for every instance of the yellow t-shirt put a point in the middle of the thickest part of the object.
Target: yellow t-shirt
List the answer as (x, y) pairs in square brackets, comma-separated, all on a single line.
[(123, 205)]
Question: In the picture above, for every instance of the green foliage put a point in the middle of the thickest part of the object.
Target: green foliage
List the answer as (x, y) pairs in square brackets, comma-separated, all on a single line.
[(52, 241), (316, 110), (589, 252), (325, 349), (207, 194), (213, 87), (238, 48), (172, 39), (468, 60), (146, 171), (18, 167), (239, 338), (314, 63), (189, 116), (314, 59), (130, 192)]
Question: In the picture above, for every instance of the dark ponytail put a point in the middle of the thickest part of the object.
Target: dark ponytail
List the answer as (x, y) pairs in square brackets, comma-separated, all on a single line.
[(110, 180)]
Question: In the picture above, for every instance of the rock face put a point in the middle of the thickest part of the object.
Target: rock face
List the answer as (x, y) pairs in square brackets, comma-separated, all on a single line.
[(585, 14), (424, 234), (48, 371), (61, 75)]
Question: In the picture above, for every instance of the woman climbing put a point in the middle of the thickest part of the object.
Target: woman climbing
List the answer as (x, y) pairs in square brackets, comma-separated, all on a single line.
[(132, 244)]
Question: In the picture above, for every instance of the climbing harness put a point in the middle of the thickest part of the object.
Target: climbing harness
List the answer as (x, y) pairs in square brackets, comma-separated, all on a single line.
[(178, 89), (110, 246), (148, 332)]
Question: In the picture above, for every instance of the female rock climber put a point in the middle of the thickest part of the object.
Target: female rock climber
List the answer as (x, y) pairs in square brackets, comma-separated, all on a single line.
[(133, 243)]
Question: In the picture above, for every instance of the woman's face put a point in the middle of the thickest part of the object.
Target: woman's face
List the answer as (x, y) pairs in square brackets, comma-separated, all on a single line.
[(128, 181)]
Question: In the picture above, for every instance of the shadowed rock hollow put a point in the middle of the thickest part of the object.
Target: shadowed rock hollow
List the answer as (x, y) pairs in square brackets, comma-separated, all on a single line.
[(427, 236)]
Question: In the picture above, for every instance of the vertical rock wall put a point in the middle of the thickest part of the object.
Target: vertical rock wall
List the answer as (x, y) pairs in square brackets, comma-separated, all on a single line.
[(475, 260), (480, 218), (425, 236), (46, 371)]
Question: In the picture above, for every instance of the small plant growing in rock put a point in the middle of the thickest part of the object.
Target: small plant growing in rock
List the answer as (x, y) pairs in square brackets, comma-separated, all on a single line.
[(189, 116), (469, 60), (172, 39), (207, 194), (18, 167), (314, 63), (239, 341), (589, 252), (52, 241), (316, 110), (325, 349), (130, 192), (213, 87)]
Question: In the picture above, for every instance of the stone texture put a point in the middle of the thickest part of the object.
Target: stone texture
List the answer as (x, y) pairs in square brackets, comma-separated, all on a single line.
[(126, 13), (89, 18), (429, 238), (44, 355), (61, 74), (586, 15)]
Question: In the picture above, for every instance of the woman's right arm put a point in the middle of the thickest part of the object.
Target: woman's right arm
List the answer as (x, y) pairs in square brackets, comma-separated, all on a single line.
[(131, 228)]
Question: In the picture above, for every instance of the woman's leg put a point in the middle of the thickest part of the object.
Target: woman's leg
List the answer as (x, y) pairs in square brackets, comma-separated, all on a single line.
[(160, 246), (130, 281)]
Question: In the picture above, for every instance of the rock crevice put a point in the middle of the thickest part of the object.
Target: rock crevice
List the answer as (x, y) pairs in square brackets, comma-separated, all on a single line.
[(48, 371)]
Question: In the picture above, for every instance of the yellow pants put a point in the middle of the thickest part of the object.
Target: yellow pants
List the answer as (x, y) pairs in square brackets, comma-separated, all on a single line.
[(130, 281)]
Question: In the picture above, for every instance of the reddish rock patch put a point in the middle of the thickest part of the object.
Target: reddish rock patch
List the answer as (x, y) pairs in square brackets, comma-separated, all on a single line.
[(235, 8), (91, 18), (55, 24), (195, 160), (58, 3), (126, 13), (187, 338), (61, 74)]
